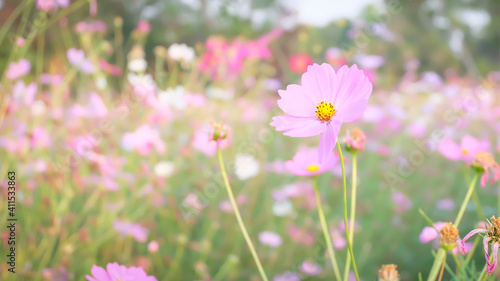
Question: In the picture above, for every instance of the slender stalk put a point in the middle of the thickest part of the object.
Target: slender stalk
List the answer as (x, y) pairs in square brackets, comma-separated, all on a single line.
[(482, 274), (442, 269), (345, 214), (326, 233), (441, 253), (353, 213), (238, 217), (466, 200)]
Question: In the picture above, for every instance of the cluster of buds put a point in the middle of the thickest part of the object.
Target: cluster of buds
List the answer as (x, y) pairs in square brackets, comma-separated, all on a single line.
[(484, 163), (448, 237), (355, 140), (388, 272), (220, 132)]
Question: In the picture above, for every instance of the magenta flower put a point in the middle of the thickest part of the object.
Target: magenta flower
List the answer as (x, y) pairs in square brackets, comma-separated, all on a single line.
[(492, 235), (305, 163), (466, 151), (322, 102), (116, 272), (18, 69), (431, 233)]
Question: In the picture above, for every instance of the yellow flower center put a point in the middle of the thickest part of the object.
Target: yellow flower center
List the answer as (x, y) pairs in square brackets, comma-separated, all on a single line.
[(325, 111), (465, 152), (312, 168)]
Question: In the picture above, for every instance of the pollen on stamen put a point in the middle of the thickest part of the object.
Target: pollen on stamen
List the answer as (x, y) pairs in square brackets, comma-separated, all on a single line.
[(312, 168), (325, 111)]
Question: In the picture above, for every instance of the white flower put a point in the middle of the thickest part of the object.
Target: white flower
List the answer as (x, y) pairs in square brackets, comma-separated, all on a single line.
[(173, 97), (101, 83), (246, 166), (137, 65), (221, 94), (164, 169), (38, 108), (282, 208), (143, 81), (181, 52)]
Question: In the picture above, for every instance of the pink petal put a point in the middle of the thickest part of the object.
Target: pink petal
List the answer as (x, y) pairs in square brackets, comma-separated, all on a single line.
[(469, 143), (353, 85), (493, 265), (99, 273), (352, 111), (298, 126), (328, 139), (475, 231), (449, 149), (320, 81), (295, 101)]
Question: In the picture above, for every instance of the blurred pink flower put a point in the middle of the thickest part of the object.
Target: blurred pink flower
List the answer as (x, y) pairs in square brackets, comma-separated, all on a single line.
[(310, 268), (20, 41), (115, 272), (305, 163), (270, 238), (24, 94), (355, 140), (301, 236), (335, 57), (322, 103), (143, 27), (110, 68), (287, 276), (429, 233), (338, 240), (403, 203), (153, 246), (135, 230), (466, 151), (277, 166), (77, 59), (18, 69), (227, 207), (202, 142), (40, 138), (446, 204), (341, 225), (143, 140), (299, 62)]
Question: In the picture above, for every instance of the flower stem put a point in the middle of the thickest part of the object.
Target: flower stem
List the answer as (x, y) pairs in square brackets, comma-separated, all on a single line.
[(326, 233), (345, 214), (466, 200), (442, 269), (238, 217), (352, 215), (437, 263)]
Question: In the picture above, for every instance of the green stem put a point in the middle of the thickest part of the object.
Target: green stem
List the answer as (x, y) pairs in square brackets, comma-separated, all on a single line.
[(326, 233), (238, 217), (436, 265), (352, 215), (345, 214), (482, 274), (466, 200)]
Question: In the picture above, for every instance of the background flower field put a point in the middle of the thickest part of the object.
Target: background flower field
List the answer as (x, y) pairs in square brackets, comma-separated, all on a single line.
[(105, 117)]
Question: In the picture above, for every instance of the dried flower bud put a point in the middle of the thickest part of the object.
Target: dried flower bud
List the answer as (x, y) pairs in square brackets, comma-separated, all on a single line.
[(388, 272), (448, 237)]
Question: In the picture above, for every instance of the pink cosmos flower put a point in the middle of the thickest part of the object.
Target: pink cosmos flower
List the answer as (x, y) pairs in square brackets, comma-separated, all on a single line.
[(18, 69), (300, 62), (466, 151), (491, 237), (355, 140), (484, 162), (143, 27), (116, 272), (305, 163), (270, 238), (322, 102), (143, 140), (153, 246), (287, 276), (204, 144)]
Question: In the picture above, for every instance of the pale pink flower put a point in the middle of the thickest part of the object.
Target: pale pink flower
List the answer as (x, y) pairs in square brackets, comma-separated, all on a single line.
[(24, 94), (403, 203), (287, 276), (18, 69), (446, 204), (153, 246), (484, 162), (322, 103), (270, 238), (40, 138), (466, 151), (135, 230), (77, 59), (116, 272), (338, 239), (431, 233), (301, 236), (355, 140), (305, 163), (310, 268), (144, 140)]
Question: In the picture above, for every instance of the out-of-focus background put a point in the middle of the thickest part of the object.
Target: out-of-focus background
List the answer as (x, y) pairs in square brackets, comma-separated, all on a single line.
[(104, 118)]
